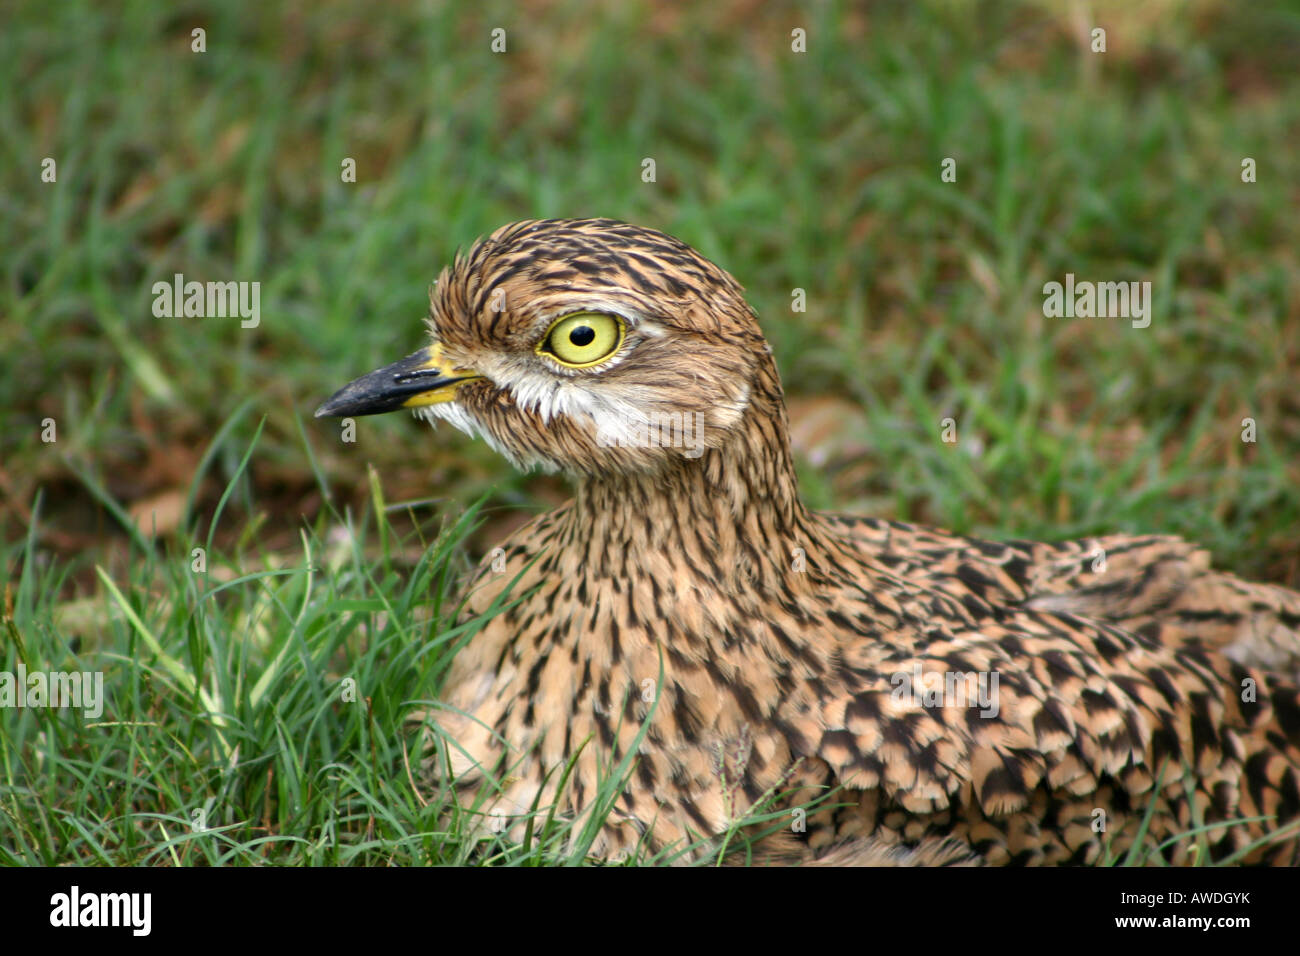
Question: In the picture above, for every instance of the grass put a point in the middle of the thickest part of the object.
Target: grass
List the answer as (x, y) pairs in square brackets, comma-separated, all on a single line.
[(257, 712), (261, 712), (817, 172)]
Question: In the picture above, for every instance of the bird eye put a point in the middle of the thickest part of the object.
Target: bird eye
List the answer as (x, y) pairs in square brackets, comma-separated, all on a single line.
[(583, 339)]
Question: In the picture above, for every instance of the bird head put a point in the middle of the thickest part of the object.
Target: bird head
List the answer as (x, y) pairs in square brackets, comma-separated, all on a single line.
[(589, 346)]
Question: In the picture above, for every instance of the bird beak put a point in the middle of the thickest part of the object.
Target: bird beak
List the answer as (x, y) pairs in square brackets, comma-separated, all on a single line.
[(422, 378)]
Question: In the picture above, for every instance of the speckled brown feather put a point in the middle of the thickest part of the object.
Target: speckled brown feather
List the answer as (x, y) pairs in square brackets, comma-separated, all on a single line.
[(781, 632)]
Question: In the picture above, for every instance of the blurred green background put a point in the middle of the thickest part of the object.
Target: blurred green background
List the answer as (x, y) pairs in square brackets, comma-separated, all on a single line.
[(818, 171)]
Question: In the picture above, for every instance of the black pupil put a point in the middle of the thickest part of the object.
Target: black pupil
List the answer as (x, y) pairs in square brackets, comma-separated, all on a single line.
[(582, 335)]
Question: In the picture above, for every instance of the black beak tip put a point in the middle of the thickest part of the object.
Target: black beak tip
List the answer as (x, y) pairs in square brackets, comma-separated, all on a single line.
[(346, 402), (385, 389)]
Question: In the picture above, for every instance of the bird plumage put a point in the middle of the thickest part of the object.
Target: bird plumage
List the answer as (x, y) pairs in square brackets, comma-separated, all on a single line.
[(783, 655)]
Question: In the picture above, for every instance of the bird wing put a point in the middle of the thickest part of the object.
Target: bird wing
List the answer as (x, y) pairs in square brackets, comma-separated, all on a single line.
[(1071, 705), (1158, 586), (988, 715)]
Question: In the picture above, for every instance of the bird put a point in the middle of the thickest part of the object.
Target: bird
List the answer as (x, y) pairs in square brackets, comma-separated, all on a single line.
[(876, 692)]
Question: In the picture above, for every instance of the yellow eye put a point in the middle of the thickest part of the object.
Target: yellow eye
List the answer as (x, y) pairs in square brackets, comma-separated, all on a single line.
[(583, 338)]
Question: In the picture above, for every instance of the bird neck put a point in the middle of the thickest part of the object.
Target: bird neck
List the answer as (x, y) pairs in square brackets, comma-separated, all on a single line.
[(736, 507)]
